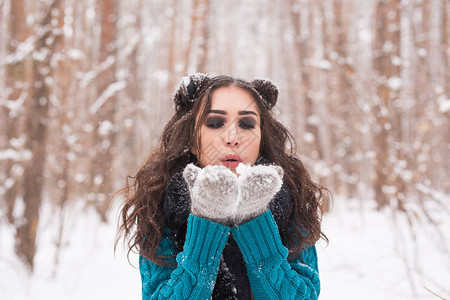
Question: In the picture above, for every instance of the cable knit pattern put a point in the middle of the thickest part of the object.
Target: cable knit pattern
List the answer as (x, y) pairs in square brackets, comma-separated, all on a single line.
[(194, 274), (271, 275)]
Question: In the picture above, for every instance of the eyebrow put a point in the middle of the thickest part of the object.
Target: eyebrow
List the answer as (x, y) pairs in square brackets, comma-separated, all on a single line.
[(242, 112)]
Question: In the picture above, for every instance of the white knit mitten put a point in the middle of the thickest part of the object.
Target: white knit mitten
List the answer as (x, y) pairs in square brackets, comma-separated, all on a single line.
[(213, 191), (257, 187)]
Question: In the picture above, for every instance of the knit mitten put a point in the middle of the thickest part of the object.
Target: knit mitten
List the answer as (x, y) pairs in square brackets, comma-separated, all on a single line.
[(257, 187), (213, 191)]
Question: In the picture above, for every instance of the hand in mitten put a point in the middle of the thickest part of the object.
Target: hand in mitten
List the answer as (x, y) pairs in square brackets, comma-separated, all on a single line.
[(213, 191), (257, 186)]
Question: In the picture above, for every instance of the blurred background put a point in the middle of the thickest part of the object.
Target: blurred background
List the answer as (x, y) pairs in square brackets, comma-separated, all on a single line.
[(85, 91)]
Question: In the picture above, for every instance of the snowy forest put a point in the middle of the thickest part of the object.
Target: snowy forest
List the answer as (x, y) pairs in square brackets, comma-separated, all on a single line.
[(85, 91)]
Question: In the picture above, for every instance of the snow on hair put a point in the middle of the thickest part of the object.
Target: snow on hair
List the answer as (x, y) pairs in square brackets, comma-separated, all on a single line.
[(188, 90), (267, 90)]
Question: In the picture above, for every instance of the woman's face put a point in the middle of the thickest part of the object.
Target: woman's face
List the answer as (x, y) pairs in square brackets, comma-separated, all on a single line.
[(232, 131)]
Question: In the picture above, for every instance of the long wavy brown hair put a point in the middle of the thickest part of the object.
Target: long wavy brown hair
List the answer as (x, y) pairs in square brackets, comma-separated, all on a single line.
[(141, 217)]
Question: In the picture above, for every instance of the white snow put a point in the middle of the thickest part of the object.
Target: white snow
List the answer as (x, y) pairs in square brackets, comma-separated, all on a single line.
[(14, 105), (396, 60), (87, 77), (75, 54), (110, 91), (395, 82), (321, 64), (372, 257), (15, 155), (88, 268), (308, 137), (444, 105), (186, 80), (369, 257), (105, 128), (242, 168), (98, 179), (196, 78), (422, 52), (23, 50)]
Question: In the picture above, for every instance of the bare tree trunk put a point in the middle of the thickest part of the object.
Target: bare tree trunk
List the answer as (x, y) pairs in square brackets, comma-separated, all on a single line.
[(61, 184), (295, 17), (36, 130), (445, 45), (130, 114), (269, 11), (61, 204), (386, 49), (231, 25), (345, 109), (294, 107), (196, 51), (302, 46), (103, 111), (18, 73), (445, 56), (192, 30), (173, 74), (203, 38), (321, 86)]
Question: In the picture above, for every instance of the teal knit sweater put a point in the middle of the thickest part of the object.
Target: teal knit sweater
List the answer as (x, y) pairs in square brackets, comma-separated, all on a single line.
[(194, 270)]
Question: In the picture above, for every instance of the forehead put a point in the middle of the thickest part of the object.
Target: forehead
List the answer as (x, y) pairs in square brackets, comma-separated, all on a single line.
[(232, 99)]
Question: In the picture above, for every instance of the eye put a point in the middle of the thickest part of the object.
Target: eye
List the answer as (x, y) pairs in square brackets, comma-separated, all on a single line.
[(214, 123), (247, 123)]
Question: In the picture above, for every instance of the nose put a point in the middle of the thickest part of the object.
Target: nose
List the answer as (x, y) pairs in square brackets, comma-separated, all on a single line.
[(232, 136)]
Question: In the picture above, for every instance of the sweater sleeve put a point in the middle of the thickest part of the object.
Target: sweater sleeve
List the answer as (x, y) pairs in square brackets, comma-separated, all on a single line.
[(192, 275), (271, 275)]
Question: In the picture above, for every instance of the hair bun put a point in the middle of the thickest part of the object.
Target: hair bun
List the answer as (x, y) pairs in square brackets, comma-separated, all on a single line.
[(189, 90), (267, 90)]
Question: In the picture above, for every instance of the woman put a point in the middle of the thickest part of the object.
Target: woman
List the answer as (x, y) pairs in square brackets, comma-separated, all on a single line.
[(222, 209)]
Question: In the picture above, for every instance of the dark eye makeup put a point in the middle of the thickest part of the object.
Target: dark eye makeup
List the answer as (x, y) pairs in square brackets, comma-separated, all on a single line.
[(214, 122), (247, 123), (218, 122)]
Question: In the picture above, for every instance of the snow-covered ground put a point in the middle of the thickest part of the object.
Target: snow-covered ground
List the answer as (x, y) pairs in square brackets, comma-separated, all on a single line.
[(368, 257), (372, 257)]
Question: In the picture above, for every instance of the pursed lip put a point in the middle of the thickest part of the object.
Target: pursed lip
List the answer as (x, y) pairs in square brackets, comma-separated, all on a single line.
[(231, 157)]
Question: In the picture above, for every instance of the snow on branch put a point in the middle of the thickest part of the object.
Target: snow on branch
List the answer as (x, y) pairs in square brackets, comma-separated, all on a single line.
[(14, 155), (14, 105), (23, 50), (107, 94), (88, 76)]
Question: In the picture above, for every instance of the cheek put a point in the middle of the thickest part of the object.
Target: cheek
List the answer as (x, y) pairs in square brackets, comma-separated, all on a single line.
[(208, 142), (258, 141), (255, 143), (206, 138)]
